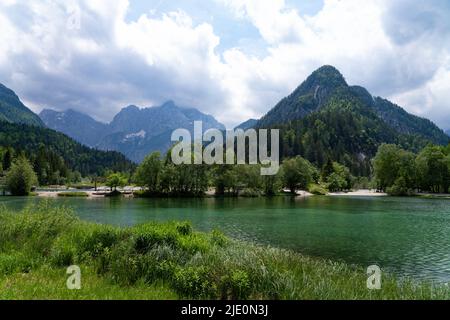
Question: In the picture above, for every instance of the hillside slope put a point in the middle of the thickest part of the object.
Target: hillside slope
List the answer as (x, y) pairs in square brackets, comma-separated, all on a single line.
[(14, 111), (78, 157)]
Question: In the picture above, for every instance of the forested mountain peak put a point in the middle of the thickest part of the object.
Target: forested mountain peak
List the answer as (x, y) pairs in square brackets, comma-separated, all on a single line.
[(326, 76), (14, 111), (312, 94), (325, 119), (327, 86)]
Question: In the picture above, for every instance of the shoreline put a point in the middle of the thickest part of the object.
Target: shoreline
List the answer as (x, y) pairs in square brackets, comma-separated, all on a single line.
[(209, 193), (359, 193), (90, 194)]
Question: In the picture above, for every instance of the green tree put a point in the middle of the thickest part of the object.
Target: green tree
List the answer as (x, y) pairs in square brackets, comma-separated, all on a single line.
[(432, 169), (336, 182), (149, 172), (391, 163), (298, 173), (7, 160), (271, 184), (116, 180), (339, 179), (224, 179), (20, 177)]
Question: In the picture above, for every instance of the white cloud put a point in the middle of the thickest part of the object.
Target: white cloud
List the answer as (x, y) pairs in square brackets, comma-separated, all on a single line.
[(111, 62)]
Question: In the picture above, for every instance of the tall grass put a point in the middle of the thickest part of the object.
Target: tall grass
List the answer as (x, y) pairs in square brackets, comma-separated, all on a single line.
[(172, 256)]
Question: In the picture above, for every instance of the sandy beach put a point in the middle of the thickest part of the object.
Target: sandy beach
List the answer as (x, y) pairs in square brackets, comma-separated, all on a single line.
[(360, 193)]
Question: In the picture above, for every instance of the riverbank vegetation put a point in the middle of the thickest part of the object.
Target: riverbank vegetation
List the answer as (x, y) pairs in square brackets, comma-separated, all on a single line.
[(168, 261), (394, 170), (73, 194), (401, 172)]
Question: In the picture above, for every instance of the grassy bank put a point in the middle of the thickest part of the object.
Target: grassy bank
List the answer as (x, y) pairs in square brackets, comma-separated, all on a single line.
[(73, 194), (167, 261)]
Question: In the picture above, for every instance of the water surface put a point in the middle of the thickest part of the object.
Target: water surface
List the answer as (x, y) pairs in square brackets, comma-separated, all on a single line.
[(407, 236)]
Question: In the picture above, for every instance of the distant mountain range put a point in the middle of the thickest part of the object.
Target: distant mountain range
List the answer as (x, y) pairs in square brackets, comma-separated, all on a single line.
[(134, 132), (247, 124), (448, 132), (323, 119), (24, 131)]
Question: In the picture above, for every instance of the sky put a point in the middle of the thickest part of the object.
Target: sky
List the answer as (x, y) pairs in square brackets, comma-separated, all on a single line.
[(234, 59)]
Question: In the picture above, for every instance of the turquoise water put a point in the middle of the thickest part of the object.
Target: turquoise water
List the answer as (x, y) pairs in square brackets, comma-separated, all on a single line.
[(407, 236)]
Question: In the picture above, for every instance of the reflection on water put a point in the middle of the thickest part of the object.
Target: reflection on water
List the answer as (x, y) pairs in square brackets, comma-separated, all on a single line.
[(407, 236)]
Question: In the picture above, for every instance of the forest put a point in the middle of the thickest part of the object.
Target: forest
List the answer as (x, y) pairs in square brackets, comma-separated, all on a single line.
[(392, 170), (56, 158)]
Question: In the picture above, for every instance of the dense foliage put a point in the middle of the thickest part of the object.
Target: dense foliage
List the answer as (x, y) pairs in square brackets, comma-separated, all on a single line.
[(161, 177), (400, 172), (21, 177), (47, 149)]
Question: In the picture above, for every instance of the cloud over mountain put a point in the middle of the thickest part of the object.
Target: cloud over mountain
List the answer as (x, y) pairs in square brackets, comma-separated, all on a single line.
[(91, 56)]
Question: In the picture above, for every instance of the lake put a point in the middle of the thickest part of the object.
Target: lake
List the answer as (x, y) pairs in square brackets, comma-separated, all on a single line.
[(406, 236)]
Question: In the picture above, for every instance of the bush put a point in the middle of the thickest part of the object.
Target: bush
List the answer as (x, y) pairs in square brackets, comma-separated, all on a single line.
[(317, 190), (149, 235), (400, 188), (250, 193), (218, 238), (236, 286), (21, 178), (184, 228), (193, 282), (73, 194)]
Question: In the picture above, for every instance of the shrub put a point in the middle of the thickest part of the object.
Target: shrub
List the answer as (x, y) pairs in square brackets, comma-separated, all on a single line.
[(184, 228), (218, 238), (149, 235), (21, 178), (193, 282), (400, 188), (236, 286), (317, 190), (73, 194)]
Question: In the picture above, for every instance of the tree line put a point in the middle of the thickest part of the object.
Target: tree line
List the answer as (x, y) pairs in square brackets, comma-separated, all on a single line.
[(393, 170), (401, 172)]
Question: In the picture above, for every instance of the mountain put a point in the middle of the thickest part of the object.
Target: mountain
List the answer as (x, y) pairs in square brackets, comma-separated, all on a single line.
[(134, 132), (448, 132), (326, 119), (327, 83), (76, 125), (24, 132), (87, 161), (12, 110), (251, 123), (310, 96)]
